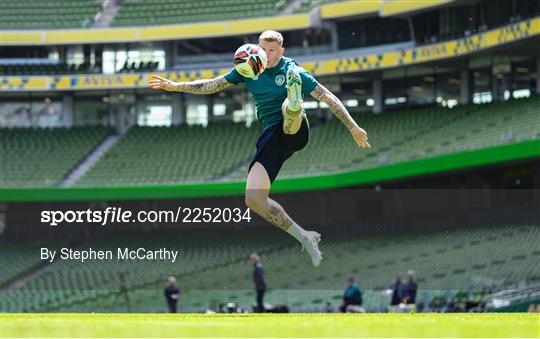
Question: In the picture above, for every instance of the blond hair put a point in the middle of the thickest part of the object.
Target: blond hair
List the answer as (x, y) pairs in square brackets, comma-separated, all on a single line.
[(255, 257), (271, 36)]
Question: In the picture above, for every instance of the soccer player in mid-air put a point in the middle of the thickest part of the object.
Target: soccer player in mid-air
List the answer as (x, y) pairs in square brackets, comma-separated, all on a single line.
[(278, 93)]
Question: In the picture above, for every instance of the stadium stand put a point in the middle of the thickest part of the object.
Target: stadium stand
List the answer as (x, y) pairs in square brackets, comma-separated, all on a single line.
[(73, 281), (42, 157), (213, 269), (169, 154), (400, 136), (221, 151), (407, 135), (28, 14), (161, 12)]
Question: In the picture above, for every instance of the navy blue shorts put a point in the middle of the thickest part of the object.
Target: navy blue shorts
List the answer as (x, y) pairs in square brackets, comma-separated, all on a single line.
[(274, 147)]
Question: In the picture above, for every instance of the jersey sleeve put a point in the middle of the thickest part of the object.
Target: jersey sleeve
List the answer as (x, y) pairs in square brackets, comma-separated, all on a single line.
[(308, 81), (234, 77)]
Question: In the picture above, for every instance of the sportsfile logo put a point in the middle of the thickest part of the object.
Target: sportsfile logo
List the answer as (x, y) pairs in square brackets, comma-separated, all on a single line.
[(110, 214), (120, 215)]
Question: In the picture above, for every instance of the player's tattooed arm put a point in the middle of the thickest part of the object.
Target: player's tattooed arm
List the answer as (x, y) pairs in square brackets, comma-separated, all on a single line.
[(206, 86), (321, 93), (203, 86), (336, 106)]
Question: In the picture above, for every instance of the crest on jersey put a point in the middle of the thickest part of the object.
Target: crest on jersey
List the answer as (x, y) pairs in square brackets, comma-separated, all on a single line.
[(280, 79)]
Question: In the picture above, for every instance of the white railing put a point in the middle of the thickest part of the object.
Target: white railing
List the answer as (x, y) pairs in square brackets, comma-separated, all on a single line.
[(510, 296)]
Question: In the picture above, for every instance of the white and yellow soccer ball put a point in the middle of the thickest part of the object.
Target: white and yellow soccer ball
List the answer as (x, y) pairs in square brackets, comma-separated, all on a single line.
[(250, 61)]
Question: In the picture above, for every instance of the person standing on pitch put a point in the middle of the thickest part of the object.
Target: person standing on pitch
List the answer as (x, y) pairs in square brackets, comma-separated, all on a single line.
[(397, 291), (172, 292), (410, 289), (278, 93), (123, 290), (352, 295), (258, 280)]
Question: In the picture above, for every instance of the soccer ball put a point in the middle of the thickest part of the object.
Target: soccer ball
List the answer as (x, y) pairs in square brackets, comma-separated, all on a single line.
[(250, 61)]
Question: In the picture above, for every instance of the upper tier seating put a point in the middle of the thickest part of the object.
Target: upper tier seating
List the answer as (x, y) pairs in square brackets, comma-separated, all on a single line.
[(50, 14)]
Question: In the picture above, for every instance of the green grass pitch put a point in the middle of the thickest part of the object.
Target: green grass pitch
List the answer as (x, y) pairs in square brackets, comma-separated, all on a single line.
[(498, 325)]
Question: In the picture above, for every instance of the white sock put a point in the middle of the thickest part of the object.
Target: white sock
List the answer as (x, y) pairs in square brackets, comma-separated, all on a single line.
[(297, 232)]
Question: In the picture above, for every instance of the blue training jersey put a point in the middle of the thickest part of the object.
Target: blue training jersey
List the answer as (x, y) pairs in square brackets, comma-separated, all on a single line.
[(269, 89)]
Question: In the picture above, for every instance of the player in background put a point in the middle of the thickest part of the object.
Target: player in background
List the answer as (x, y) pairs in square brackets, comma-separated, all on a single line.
[(278, 93)]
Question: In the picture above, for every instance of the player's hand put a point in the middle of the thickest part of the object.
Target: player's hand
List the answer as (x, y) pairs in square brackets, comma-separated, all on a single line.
[(360, 136), (157, 82)]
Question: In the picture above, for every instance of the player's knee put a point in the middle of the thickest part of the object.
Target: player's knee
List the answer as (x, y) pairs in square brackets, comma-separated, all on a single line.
[(251, 201), (254, 200)]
